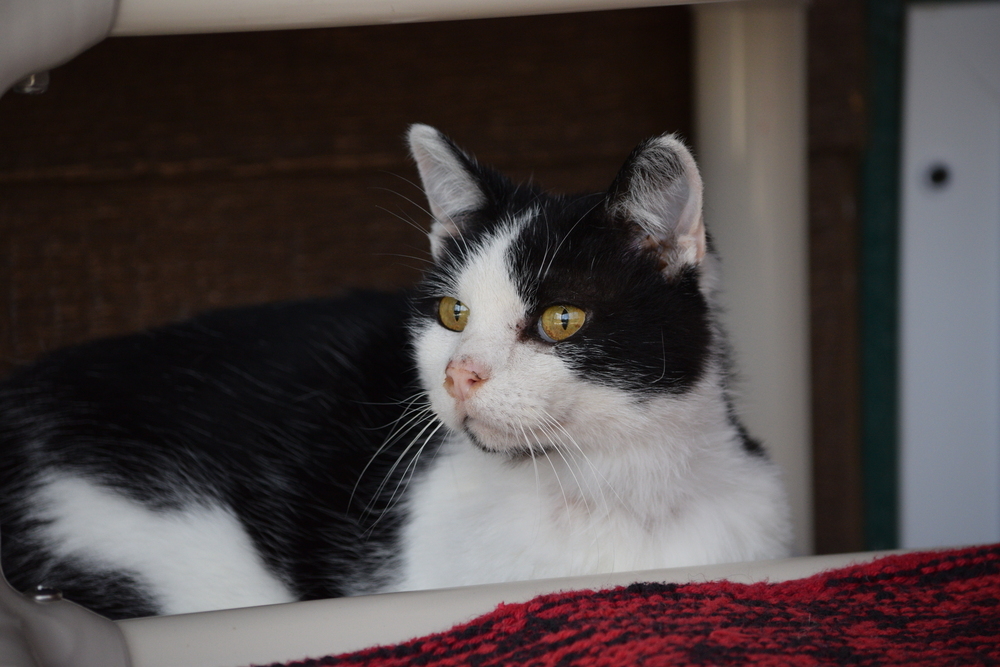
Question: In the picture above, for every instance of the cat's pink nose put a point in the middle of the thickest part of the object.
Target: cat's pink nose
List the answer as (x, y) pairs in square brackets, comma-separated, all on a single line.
[(463, 378)]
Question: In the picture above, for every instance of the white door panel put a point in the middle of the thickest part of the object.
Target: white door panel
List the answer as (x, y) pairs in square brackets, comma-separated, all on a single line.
[(950, 277)]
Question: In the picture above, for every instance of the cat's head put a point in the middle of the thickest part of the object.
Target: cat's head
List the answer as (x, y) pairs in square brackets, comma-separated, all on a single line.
[(548, 321)]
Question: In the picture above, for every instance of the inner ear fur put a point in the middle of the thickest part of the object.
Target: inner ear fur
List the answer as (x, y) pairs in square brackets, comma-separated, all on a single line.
[(658, 192), (449, 181)]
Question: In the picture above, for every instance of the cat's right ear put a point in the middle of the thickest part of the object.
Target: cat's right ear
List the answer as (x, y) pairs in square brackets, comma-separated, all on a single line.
[(449, 181)]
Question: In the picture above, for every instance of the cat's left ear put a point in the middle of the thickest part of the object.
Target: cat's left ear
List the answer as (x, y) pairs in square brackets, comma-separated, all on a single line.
[(449, 180), (658, 192)]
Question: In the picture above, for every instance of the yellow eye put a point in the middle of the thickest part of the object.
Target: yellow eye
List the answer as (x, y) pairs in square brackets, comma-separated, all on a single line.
[(560, 322), (452, 313)]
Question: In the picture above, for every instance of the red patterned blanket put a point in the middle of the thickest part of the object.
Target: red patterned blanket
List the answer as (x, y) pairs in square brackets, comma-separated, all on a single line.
[(930, 608)]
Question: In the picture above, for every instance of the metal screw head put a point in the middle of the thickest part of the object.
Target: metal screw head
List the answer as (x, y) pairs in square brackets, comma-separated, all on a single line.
[(938, 175), (46, 594), (33, 84)]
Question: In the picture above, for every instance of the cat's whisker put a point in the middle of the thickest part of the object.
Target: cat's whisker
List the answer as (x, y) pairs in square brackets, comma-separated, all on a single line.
[(420, 206), (450, 220), (406, 400), (531, 445), (399, 458), (591, 524), (415, 203), (371, 506), (390, 503), (584, 496), (555, 473), (663, 346), (538, 491), (543, 263), (606, 482), (537, 197), (566, 236), (570, 460), (408, 181), (603, 482), (545, 255), (456, 256), (401, 486), (411, 416), (461, 237), (399, 216), (399, 255), (524, 435), (420, 416), (406, 476)]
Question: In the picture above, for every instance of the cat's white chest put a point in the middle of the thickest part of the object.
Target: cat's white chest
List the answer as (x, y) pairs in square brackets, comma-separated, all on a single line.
[(478, 519)]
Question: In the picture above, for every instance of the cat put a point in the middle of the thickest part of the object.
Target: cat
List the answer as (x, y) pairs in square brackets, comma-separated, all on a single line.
[(552, 399)]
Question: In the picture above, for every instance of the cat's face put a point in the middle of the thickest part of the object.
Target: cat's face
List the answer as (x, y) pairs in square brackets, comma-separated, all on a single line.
[(547, 321)]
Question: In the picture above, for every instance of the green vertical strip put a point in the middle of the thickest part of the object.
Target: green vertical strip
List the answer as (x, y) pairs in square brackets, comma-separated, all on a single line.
[(879, 279)]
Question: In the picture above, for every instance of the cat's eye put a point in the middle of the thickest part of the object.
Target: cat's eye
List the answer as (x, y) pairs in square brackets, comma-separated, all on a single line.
[(452, 313), (560, 322)]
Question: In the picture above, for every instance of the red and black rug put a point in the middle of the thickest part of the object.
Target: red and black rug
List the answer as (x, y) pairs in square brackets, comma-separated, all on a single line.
[(927, 608)]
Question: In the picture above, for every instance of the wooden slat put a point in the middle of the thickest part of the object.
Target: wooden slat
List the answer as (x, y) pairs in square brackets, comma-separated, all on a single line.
[(837, 69)]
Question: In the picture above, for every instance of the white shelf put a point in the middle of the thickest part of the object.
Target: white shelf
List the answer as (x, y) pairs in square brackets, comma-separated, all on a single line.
[(159, 17), (280, 633)]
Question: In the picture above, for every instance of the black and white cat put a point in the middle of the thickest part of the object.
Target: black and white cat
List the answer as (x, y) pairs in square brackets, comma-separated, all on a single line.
[(552, 400)]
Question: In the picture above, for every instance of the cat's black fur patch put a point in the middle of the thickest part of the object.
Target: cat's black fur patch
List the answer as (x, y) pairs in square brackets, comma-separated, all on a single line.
[(264, 408), (645, 332), (751, 445)]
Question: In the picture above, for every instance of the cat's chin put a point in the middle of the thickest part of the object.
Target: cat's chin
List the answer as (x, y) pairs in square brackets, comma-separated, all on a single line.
[(501, 445)]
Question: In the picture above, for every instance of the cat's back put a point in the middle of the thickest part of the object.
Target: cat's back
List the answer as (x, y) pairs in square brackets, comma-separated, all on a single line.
[(231, 445)]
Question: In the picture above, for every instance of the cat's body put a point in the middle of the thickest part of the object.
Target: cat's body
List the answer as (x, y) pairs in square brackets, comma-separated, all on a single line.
[(568, 413)]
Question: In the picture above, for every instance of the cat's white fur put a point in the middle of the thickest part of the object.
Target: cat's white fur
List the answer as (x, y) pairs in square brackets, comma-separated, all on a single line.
[(623, 483), (198, 558)]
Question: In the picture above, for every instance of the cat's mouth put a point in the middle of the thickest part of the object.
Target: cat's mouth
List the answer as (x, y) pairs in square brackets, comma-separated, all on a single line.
[(512, 446)]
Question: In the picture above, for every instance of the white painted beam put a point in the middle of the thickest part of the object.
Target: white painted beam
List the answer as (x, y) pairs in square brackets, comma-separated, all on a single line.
[(750, 94), (158, 17), (37, 35)]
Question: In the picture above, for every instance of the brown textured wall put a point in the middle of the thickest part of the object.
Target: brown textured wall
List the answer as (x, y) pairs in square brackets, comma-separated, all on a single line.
[(837, 136), (161, 176)]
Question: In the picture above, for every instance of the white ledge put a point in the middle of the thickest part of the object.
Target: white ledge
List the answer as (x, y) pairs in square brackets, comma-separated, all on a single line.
[(161, 17), (280, 633)]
